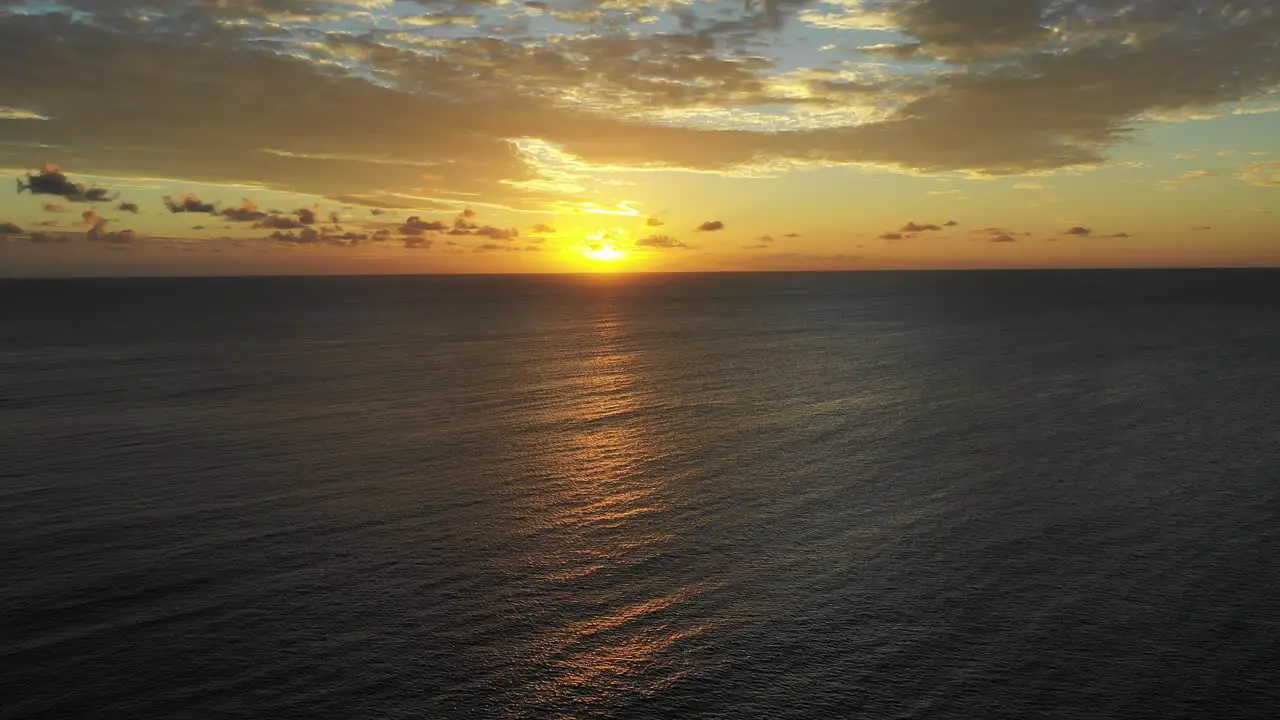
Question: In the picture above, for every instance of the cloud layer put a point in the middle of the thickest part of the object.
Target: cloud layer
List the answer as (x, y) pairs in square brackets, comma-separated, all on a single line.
[(376, 100)]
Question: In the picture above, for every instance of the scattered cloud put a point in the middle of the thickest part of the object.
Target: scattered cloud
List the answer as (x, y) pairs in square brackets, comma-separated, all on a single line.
[(660, 241), (544, 228), (654, 222), (189, 203), (1077, 230), (128, 207), (710, 226), (417, 227), (50, 180), (55, 208), (278, 222), (913, 227), (247, 212), (1263, 174), (891, 236)]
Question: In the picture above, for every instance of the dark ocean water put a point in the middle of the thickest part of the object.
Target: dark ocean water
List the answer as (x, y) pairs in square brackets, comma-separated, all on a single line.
[(971, 495)]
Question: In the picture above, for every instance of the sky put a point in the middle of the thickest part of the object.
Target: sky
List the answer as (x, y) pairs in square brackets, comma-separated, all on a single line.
[(211, 137)]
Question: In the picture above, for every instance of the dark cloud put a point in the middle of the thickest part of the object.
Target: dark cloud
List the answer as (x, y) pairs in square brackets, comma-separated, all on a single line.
[(660, 241), (950, 223), (43, 238), (247, 212), (1002, 238), (791, 235), (654, 222), (306, 216), (1077, 230), (891, 236), (1023, 86), (416, 226), (495, 233), (128, 207), (305, 236), (710, 226), (50, 180), (8, 228), (913, 227), (419, 243), (189, 203), (278, 222), (1120, 235)]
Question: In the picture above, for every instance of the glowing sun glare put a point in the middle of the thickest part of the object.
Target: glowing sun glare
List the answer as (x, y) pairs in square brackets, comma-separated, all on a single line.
[(606, 253)]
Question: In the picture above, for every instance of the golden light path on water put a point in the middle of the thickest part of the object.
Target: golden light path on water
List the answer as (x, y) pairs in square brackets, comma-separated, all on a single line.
[(620, 640)]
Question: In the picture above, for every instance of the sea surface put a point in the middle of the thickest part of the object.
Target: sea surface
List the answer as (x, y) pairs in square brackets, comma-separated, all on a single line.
[(920, 495)]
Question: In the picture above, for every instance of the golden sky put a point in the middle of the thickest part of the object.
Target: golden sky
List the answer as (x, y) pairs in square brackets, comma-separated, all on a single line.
[(415, 136)]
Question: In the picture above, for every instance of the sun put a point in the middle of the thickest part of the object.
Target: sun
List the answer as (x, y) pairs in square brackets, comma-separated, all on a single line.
[(605, 253)]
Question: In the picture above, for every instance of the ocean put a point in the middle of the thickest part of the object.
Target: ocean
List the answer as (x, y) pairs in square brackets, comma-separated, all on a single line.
[(862, 495)]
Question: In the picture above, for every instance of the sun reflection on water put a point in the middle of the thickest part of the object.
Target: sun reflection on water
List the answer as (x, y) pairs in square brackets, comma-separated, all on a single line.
[(616, 631)]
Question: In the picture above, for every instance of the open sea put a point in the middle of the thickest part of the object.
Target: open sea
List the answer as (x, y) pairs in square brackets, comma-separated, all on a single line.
[(919, 495)]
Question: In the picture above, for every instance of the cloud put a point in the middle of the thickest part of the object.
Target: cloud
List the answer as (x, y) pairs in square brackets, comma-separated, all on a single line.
[(544, 228), (891, 236), (913, 227), (613, 95), (1078, 230), (1263, 174), (44, 238), (55, 208), (654, 222), (1202, 228), (419, 243), (494, 233), (660, 241), (306, 216), (710, 226), (1197, 175), (791, 235), (128, 207), (494, 247), (1002, 238), (1119, 235), (247, 212), (278, 222), (189, 203), (12, 113), (8, 228), (98, 230), (50, 180), (951, 223), (416, 226)]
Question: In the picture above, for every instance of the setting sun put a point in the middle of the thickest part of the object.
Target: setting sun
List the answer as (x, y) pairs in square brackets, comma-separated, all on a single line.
[(605, 253)]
